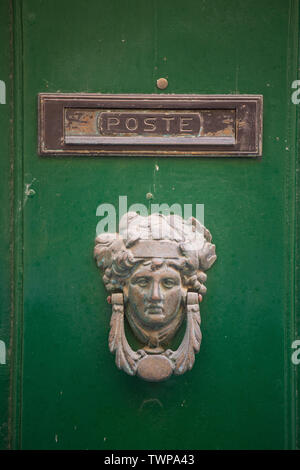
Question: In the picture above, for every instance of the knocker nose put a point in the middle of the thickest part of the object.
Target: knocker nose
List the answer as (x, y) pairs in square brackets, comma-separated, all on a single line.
[(155, 294)]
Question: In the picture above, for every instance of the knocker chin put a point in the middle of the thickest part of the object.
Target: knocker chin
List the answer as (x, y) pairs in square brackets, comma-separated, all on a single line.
[(154, 269)]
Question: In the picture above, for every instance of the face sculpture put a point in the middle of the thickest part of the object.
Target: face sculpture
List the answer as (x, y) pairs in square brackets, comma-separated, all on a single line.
[(154, 269), (155, 302)]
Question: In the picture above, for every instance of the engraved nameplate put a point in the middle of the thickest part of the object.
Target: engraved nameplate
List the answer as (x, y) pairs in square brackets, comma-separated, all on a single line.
[(189, 125)]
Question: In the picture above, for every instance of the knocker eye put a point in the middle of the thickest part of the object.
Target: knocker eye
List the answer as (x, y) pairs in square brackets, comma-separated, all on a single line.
[(142, 282), (169, 283)]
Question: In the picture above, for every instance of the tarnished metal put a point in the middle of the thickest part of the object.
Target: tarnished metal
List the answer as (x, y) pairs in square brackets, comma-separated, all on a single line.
[(189, 125), (154, 269), (162, 83)]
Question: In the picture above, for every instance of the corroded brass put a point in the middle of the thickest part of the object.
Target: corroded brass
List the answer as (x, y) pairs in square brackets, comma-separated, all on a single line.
[(155, 270), (162, 83)]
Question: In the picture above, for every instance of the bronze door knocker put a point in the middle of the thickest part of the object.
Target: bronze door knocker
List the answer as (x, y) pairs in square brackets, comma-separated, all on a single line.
[(154, 270)]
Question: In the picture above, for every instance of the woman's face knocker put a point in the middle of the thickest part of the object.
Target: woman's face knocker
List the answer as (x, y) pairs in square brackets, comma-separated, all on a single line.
[(154, 269)]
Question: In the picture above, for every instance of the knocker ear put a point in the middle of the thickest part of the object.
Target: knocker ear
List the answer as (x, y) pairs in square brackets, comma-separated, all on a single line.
[(125, 295), (183, 296)]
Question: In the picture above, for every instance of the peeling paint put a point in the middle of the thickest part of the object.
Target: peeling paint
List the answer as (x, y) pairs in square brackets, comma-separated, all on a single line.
[(29, 192)]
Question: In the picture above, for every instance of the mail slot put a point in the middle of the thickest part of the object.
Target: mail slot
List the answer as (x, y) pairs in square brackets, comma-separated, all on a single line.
[(168, 125)]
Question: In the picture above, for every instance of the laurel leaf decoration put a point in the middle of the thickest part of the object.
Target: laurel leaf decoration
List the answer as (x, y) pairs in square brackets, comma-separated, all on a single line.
[(184, 357), (126, 358)]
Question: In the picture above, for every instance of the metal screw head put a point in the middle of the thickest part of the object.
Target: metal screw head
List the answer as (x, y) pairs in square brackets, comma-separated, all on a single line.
[(162, 83)]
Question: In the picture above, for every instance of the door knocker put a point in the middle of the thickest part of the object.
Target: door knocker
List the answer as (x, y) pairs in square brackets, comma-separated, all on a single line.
[(154, 270)]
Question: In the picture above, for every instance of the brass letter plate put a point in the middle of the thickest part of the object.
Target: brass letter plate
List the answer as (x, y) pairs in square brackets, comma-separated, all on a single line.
[(166, 125)]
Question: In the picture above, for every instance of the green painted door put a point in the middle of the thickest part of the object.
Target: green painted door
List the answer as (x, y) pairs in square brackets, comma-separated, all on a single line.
[(66, 391)]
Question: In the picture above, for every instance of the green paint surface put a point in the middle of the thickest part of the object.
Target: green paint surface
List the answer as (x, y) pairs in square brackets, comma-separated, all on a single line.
[(239, 394), (5, 208)]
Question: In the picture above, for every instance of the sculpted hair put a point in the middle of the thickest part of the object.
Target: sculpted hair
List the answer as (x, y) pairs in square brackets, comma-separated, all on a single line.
[(114, 255)]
